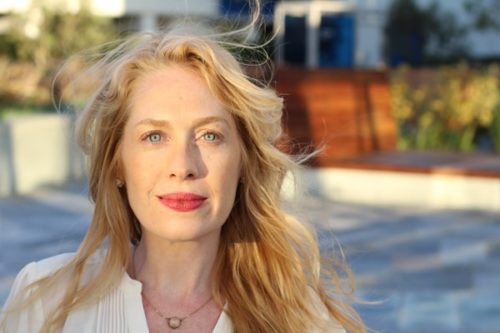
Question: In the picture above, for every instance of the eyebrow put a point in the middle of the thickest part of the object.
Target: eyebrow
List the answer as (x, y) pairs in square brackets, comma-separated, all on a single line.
[(167, 124)]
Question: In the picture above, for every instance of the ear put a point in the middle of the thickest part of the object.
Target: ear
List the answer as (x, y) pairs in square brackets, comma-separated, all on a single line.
[(118, 170)]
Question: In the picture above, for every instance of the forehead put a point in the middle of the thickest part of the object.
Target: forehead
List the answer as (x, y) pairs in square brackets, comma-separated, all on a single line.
[(173, 91)]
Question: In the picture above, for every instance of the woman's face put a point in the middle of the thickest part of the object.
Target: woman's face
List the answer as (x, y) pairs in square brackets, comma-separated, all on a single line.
[(180, 155)]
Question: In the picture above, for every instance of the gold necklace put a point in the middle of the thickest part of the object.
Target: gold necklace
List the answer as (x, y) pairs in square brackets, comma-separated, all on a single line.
[(173, 322)]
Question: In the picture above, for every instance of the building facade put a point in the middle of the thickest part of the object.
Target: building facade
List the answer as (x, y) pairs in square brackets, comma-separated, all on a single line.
[(315, 33)]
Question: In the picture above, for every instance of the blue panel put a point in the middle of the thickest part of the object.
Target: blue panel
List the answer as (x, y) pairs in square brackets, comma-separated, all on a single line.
[(337, 41), (295, 40), (240, 7)]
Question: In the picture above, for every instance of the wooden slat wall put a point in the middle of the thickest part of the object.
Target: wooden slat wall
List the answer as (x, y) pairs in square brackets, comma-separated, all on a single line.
[(346, 111)]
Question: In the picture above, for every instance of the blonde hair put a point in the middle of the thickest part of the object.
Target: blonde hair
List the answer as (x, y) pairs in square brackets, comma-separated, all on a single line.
[(269, 262)]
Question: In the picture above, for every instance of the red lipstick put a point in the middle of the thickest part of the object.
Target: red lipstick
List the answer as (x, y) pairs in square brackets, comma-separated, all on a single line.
[(182, 201)]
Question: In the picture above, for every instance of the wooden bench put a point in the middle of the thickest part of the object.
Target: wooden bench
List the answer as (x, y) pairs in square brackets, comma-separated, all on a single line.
[(348, 112)]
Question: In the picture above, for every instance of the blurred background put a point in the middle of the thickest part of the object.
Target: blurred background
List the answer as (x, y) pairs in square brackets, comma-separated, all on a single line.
[(402, 96)]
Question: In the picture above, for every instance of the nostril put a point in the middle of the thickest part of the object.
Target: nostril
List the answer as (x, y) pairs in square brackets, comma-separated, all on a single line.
[(182, 175)]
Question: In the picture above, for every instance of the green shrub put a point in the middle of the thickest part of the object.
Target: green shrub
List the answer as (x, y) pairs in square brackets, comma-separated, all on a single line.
[(444, 109), (28, 64)]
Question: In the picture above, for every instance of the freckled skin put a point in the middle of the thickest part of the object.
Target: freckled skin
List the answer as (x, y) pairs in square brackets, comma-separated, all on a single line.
[(191, 145)]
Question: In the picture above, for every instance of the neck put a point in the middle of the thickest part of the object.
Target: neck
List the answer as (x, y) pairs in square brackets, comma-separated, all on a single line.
[(178, 271)]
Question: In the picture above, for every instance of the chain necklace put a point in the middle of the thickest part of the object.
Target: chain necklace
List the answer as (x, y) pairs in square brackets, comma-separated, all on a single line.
[(173, 322)]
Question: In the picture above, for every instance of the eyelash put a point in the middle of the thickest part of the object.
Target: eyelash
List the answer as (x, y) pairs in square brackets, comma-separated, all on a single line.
[(218, 136), (147, 136)]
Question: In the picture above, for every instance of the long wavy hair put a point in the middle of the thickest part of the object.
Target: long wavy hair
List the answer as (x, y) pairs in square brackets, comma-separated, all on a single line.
[(268, 264)]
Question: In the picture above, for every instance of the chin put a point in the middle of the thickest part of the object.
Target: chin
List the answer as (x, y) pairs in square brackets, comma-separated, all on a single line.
[(188, 234)]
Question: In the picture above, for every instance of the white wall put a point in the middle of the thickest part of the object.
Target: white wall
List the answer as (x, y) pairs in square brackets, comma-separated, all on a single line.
[(369, 38), (117, 8), (37, 150), (173, 7), (370, 21), (370, 33)]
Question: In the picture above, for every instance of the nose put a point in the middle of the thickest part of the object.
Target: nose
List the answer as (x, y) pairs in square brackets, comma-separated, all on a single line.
[(183, 161)]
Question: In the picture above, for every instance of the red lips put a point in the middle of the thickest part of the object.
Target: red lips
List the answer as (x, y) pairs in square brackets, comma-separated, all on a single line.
[(182, 201)]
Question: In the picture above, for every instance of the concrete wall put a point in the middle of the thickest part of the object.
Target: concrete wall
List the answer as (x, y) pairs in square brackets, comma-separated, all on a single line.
[(37, 150), (374, 187)]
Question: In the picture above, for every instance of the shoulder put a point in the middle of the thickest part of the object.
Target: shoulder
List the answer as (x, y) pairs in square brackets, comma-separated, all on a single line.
[(42, 268), (45, 267), (18, 316), (31, 317), (37, 270)]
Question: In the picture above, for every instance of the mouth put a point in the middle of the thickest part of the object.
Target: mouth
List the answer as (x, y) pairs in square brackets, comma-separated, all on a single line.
[(182, 201)]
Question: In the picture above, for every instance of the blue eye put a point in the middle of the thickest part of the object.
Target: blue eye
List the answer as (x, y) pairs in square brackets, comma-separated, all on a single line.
[(154, 137), (210, 136)]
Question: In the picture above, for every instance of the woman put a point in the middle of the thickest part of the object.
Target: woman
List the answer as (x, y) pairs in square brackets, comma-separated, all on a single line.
[(187, 233)]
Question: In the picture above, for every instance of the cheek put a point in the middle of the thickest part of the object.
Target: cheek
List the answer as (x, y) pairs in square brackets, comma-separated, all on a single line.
[(140, 181), (230, 174), (139, 172)]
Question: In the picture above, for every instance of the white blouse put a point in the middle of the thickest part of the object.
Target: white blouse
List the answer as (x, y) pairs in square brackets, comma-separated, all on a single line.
[(119, 311)]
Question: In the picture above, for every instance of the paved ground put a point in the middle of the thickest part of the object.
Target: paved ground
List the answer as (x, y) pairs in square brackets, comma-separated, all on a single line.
[(429, 270)]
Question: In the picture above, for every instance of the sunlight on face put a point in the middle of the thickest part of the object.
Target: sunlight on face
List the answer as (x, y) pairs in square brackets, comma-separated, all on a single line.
[(181, 156)]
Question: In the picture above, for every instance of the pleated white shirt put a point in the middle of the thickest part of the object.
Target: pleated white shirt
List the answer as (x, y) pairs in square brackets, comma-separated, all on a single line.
[(119, 311)]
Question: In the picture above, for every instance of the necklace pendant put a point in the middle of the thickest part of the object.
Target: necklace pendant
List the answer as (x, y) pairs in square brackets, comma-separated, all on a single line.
[(174, 322)]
